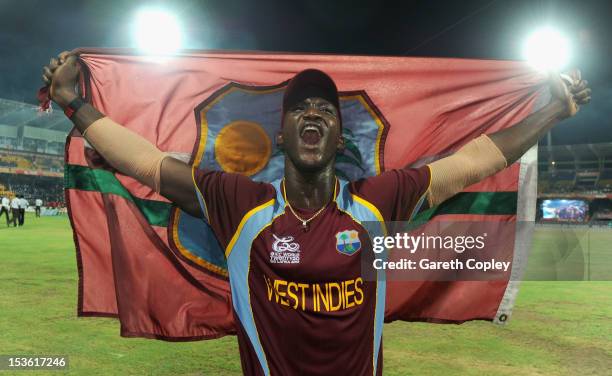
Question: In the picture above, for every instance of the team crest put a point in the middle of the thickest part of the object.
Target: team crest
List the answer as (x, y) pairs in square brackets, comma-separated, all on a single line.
[(347, 242)]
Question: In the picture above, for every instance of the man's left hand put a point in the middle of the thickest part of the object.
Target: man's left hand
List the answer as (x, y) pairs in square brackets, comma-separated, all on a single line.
[(571, 90)]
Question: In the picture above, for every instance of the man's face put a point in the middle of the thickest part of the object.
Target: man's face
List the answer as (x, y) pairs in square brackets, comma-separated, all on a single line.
[(311, 134)]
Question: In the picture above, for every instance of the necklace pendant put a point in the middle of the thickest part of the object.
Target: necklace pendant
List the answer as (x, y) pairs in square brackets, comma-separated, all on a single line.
[(305, 226)]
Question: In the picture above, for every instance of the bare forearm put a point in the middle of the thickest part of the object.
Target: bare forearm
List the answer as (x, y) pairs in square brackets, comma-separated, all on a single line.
[(516, 140)]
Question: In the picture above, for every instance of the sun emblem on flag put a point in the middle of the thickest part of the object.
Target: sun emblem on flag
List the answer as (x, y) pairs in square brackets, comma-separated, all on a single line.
[(347, 242)]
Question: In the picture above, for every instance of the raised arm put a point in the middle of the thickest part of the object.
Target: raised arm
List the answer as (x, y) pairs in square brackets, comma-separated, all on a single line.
[(487, 155), (123, 149), (565, 102)]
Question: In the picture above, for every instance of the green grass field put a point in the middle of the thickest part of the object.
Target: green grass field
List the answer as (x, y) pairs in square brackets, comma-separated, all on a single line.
[(558, 328)]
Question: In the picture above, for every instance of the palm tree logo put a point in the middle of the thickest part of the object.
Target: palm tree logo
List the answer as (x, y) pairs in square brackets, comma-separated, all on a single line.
[(347, 242), (347, 247)]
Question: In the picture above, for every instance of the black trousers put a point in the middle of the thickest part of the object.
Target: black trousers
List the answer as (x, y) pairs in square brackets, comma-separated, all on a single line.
[(21, 216), (14, 216), (6, 214), (38, 211)]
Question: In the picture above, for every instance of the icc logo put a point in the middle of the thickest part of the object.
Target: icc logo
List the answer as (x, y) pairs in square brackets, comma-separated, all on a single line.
[(284, 251)]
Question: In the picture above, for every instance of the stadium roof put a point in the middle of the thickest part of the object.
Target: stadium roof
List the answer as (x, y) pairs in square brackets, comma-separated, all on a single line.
[(13, 113), (583, 152)]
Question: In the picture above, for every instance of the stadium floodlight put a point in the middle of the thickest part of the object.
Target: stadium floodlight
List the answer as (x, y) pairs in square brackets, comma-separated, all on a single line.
[(547, 49), (157, 32)]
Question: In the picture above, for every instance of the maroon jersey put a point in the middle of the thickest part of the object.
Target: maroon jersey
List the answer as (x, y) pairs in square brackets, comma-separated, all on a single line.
[(300, 303)]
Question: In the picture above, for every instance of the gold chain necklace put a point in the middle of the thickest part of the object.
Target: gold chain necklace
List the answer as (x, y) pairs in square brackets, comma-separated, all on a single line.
[(305, 221)]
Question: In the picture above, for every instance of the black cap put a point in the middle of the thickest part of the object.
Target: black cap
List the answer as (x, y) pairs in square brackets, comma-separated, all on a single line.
[(310, 83)]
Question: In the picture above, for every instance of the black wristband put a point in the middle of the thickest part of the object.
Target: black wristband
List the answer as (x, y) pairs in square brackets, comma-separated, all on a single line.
[(73, 107)]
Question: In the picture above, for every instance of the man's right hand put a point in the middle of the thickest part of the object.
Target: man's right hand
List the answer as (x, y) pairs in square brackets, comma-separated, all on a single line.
[(61, 75)]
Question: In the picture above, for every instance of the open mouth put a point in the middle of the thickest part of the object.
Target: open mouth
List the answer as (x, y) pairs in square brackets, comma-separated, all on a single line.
[(311, 133)]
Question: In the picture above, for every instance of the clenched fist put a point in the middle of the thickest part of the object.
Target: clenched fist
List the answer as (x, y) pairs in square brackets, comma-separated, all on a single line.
[(61, 75), (572, 90)]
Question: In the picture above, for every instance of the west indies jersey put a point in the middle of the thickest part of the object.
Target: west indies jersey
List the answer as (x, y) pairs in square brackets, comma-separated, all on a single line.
[(300, 302)]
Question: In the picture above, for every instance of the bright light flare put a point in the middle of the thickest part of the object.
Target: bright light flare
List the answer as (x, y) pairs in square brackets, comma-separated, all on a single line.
[(547, 49), (157, 32)]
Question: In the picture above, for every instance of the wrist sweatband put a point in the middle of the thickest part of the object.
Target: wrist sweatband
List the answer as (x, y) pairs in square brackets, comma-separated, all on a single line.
[(470, 164), (128, 152), (73, 107)]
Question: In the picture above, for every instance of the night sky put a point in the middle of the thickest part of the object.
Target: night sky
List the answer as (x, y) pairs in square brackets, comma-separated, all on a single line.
[(32, 31)]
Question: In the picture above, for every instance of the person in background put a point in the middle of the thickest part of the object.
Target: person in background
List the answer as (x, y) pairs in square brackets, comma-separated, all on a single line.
[(5, 207), (23, 205), (15, 210), (38, 202)]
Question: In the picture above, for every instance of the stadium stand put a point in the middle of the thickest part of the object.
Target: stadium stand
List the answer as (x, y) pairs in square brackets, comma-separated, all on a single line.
[(578, 172), (48, 189), (605, 180), (32, 152), (31, 163)]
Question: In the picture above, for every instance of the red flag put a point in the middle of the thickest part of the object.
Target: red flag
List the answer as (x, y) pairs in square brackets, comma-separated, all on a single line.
[(156, 268)]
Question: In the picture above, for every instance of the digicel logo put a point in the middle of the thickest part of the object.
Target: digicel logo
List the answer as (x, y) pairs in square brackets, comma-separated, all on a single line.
[(316, 297)]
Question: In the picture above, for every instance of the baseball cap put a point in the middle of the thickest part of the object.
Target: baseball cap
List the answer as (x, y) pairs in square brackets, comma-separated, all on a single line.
[(310, 83)]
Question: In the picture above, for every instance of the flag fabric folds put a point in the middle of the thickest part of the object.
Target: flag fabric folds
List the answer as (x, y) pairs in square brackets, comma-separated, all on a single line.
[(161, 272)]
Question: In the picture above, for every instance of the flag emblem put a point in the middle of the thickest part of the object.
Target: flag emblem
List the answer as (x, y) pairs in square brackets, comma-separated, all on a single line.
[(347, 242), (237, 132)]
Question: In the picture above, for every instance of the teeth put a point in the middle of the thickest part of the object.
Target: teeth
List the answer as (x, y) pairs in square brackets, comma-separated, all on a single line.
[(311, 128)]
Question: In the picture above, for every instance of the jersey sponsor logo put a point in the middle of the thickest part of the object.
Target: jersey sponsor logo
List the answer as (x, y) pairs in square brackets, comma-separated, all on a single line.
[(284, 250), (316, 297), (347, 242)]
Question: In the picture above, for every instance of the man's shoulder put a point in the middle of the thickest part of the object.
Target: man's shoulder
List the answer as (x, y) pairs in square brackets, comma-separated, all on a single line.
[(222, 191), (200, 173), (418, 174)]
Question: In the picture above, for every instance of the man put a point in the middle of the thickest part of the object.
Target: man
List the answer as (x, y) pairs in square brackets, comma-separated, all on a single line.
[(5, 206), (38, 202), (15, 210), (299, 301), (23, 205)]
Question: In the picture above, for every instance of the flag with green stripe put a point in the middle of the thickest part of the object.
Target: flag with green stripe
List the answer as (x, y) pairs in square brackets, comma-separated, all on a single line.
[(161, 271)]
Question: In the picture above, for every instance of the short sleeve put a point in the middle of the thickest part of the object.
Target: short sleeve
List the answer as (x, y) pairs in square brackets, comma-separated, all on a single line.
[(397, 194), (225, 199)]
